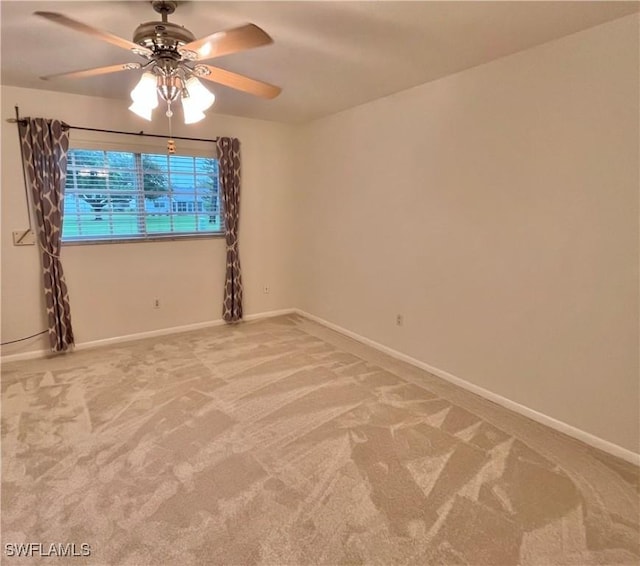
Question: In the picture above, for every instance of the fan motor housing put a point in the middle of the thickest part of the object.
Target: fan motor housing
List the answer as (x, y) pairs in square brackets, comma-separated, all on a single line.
[(162, 36)]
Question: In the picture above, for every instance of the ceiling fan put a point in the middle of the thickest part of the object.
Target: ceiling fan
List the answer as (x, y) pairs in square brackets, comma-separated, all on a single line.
[(172, 67)]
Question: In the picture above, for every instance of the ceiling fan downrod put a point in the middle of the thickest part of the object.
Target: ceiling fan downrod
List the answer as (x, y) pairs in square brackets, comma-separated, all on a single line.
[(164, 8)]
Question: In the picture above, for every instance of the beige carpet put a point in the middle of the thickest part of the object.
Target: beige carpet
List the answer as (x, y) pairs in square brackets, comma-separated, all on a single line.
[(281, 442)]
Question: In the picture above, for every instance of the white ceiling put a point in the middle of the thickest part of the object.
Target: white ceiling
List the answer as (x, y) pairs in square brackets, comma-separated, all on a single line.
[(327, 56)]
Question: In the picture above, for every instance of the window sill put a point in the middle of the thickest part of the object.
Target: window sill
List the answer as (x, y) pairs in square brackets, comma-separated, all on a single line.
[(135, 240)]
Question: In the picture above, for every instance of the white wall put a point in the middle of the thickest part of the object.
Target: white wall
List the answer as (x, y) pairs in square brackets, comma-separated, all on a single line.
[(497, 210), (112, 286)]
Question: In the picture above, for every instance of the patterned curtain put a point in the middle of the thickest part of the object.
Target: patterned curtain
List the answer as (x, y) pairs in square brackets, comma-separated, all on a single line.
[(229, 159), (44, 148)]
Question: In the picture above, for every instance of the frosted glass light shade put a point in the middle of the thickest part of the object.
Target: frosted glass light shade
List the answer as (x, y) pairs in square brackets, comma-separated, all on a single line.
[(192, 113), (141, 110), (202, 97), (146, 91)]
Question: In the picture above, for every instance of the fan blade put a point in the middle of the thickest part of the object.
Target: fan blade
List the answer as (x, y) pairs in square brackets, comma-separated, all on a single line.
[(238, 82), (95, 32), (95, 71), (225, 42)]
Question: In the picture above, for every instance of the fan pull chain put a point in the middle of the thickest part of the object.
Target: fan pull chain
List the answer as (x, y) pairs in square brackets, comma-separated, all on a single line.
[(171, 143)]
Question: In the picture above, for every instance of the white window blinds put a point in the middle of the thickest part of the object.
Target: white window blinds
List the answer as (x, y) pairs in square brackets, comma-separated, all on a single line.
[(118, 195)]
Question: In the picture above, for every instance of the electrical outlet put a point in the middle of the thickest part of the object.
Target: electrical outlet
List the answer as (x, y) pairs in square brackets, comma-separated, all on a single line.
[(266, 289), (399, 320), (156, 303)]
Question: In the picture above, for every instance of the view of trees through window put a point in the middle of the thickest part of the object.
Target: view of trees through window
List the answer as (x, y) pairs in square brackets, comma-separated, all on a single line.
[(124, 195)]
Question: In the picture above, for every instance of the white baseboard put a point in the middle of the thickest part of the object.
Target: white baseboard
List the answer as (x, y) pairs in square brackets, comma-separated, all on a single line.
[(551, 422), (34, 354), (30, 355), (268, 314)]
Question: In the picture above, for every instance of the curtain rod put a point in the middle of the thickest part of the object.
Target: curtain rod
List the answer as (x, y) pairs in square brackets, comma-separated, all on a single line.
[(22, 121)]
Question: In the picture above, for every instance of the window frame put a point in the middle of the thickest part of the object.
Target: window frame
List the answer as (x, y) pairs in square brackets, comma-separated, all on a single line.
[(186, 149)]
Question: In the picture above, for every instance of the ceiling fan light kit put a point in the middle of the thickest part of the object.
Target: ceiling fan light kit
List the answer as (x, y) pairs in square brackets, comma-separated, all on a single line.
[(194, 96), (171, 72)]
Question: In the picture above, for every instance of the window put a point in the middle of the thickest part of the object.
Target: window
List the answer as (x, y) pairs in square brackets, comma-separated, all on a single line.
[(115, 195)]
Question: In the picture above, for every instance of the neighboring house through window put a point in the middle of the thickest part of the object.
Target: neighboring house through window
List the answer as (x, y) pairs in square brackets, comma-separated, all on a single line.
[(116, 195)]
